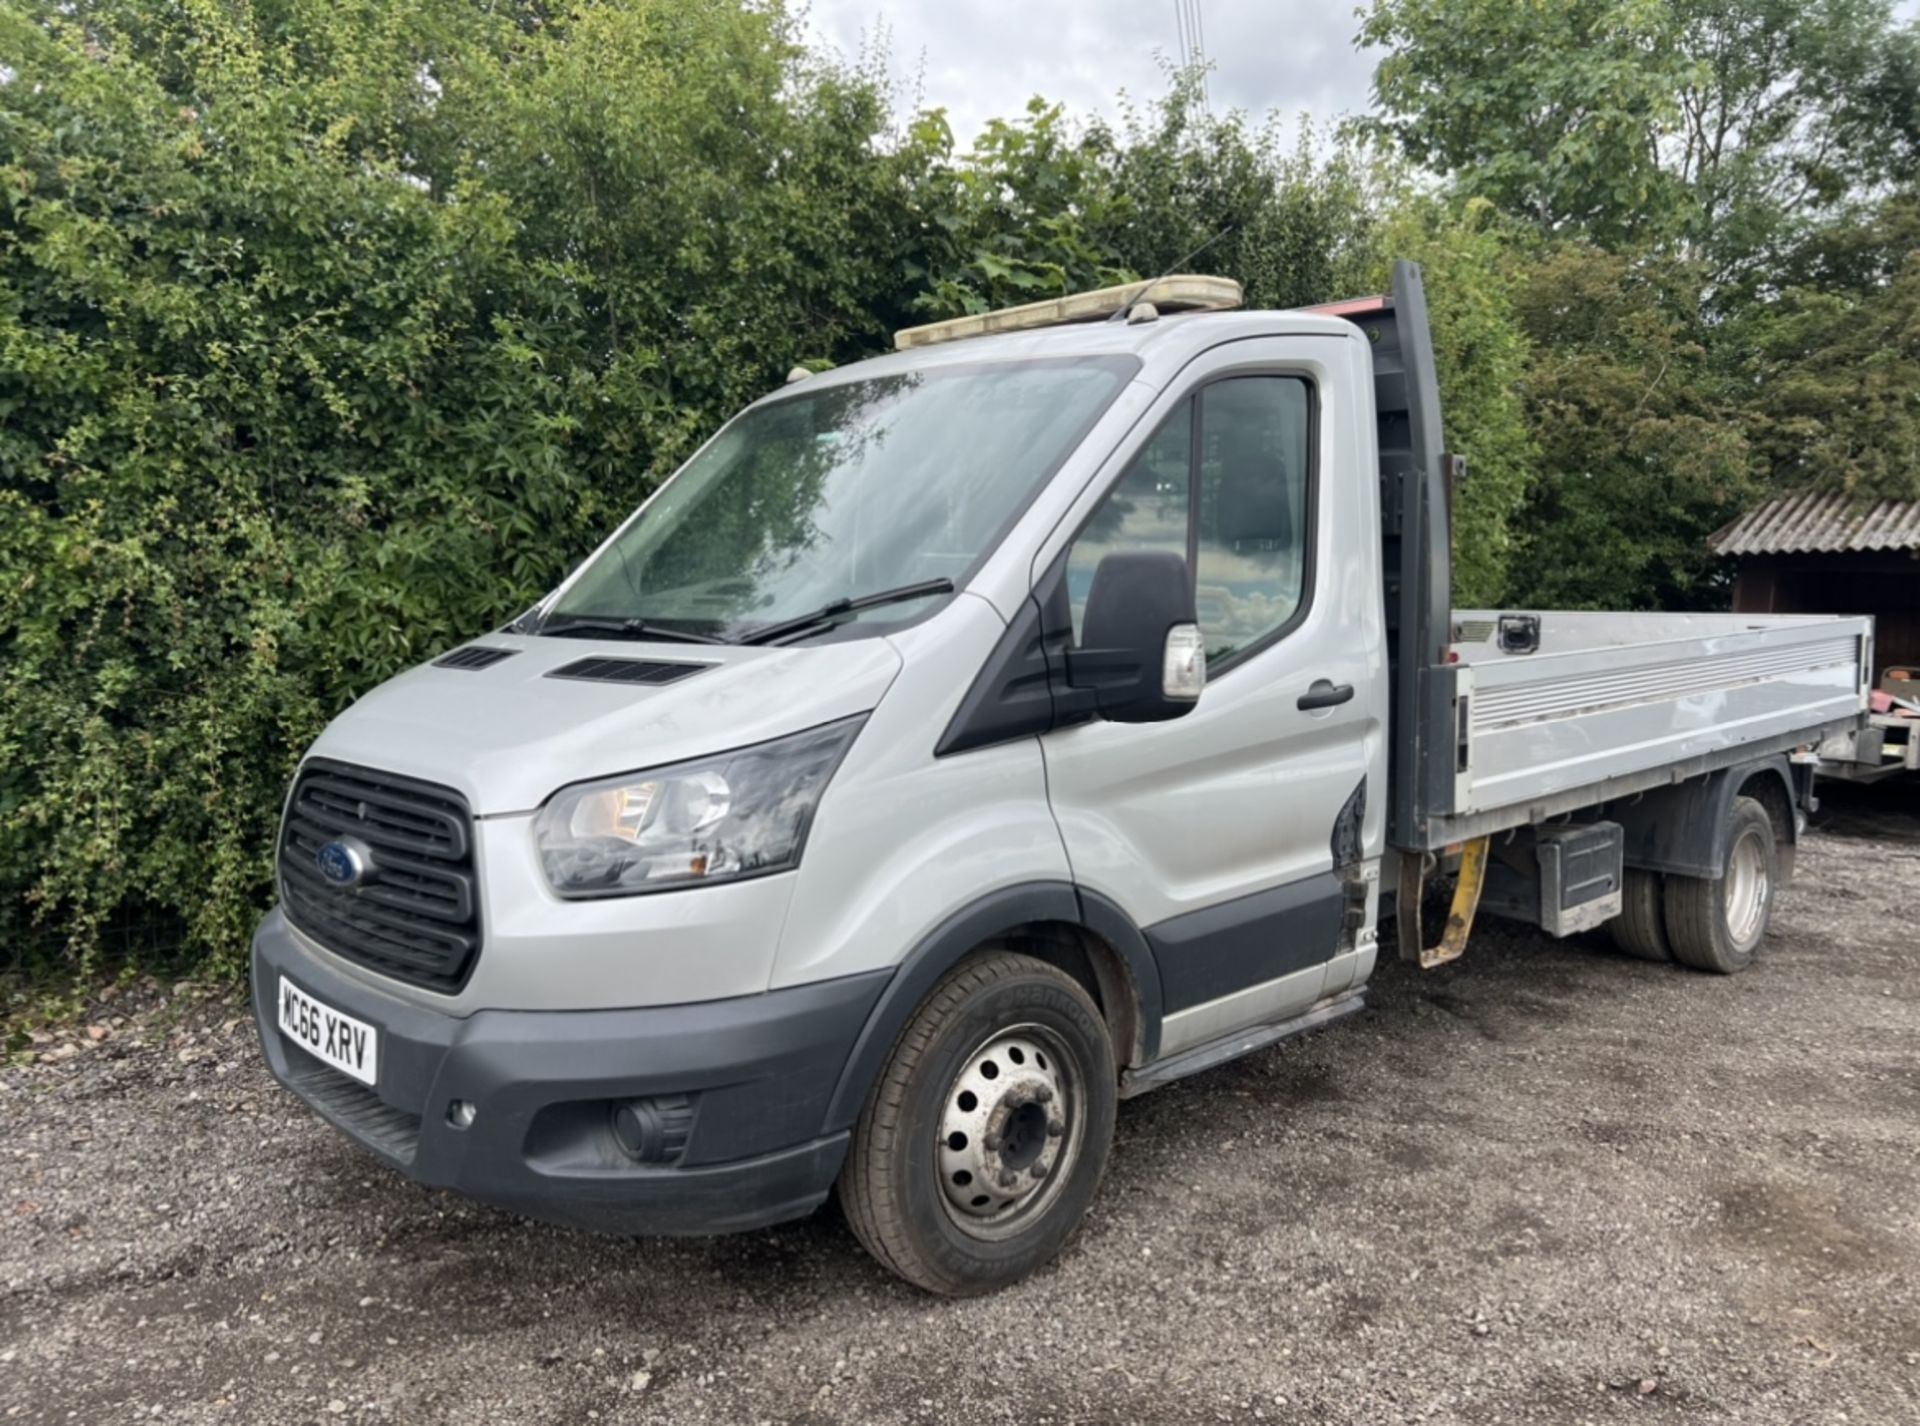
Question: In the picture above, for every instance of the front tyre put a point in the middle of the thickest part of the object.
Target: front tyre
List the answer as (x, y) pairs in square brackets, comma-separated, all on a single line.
[(985, 1138)]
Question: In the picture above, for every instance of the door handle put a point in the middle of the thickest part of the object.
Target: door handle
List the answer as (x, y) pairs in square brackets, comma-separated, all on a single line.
[(1326, 694)]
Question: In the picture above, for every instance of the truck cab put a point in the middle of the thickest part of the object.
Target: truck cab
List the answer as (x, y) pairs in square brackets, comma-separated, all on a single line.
[(960, 742)]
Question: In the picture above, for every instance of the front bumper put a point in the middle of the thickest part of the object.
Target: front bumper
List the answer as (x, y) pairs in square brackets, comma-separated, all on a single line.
[(754, 1072)]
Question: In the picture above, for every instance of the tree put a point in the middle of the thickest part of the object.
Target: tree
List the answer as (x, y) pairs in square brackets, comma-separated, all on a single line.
[(1834, 386), (1042, 206), (1793, 107), (1294, 222), (1029, 212), (1482, 352), (333, 333), (1553, 110), (1729, 127), (1642, 446)]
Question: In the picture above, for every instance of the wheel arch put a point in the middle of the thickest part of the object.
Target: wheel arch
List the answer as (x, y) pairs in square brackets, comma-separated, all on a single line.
[(1682, 830), (1079, 931)]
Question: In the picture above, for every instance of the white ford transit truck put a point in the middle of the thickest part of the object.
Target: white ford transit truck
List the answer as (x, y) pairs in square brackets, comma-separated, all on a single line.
[(970, 738)]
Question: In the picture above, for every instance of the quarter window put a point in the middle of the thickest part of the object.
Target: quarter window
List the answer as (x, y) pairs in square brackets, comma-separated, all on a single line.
[(1224, 481)]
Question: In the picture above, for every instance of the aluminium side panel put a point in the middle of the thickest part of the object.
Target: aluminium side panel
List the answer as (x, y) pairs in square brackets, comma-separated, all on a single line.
[(1536, 726)]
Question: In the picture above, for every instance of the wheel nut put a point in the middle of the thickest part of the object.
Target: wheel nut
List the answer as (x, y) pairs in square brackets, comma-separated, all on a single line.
[(1039, 1170), (993, 1142), (1056, 1128), (1043, 1094), (1009, 1178)]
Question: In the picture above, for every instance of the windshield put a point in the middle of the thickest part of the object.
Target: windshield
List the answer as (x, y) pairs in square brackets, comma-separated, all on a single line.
[(843, 493)]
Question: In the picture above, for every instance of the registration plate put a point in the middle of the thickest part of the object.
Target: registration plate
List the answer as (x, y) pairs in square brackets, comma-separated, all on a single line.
[(349, 1045)]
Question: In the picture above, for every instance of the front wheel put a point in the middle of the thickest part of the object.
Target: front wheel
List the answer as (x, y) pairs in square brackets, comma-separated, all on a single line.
[(984, 1141), (1717, 925)]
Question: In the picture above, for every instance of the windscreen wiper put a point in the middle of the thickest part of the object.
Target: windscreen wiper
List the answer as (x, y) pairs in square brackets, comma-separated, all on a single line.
[(826, 614), (589, 628)]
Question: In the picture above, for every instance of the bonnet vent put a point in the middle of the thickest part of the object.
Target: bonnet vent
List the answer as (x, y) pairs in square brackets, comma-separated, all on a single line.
[(474, 656), (604, 670)]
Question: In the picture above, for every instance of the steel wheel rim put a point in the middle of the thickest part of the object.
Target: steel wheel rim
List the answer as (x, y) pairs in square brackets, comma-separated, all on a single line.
[(1745, 894), (1009, 1137)]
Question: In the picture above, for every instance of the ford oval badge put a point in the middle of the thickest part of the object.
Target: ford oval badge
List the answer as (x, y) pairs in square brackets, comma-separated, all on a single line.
[(342, 863)]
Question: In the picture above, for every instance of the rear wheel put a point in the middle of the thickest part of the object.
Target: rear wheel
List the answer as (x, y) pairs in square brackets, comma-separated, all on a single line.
[(1717, 925), (985, 1139), (1641, 927)]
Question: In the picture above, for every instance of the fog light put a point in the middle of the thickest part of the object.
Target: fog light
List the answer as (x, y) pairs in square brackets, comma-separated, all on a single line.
[(653, 1130), (460, 1113)]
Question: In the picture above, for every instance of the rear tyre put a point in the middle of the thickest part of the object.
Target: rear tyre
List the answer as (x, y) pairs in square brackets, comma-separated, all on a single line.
[(985, 1139), (1717, 925), (1640, 929)]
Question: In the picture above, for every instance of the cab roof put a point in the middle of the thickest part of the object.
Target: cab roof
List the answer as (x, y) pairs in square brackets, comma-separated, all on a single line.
[(1173, 338)]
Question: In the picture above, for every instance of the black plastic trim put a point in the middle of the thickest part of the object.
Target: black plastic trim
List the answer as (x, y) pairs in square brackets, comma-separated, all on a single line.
[(763, 1068), (936, 954), (966, 931), (1111, 924), (643, 673), (1236, 1044), (473, 657), (1012, 696), (1024, 687), (1206, 954), (1682, 830), (416, 916)]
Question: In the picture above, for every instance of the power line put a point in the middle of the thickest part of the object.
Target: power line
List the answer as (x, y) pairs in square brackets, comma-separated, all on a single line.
[(1197, 48), (1190, 31)]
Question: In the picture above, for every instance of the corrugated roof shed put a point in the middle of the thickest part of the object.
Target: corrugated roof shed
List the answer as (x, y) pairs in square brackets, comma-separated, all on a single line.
[(1821, 524)]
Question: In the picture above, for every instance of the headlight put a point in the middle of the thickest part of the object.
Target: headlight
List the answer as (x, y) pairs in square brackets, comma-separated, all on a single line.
[(721, 818)]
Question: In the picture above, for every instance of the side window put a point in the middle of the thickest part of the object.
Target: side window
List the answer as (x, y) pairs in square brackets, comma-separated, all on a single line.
[(1250, 564), (1147, 510), (1242, 524)]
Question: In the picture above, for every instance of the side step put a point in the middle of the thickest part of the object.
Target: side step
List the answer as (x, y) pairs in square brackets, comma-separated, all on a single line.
[(1240, 1042)]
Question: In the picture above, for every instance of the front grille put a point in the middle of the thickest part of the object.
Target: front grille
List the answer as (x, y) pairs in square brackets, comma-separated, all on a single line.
[(414, 913)]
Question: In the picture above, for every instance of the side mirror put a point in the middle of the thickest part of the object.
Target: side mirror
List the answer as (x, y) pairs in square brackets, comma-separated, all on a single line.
[(1140, 652)]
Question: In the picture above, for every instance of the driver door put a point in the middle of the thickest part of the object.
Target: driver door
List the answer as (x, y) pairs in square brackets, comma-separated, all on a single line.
[(1215, 833)]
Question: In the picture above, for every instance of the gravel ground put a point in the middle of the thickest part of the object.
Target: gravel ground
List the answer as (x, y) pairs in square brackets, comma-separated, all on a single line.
[(1545, 1184)]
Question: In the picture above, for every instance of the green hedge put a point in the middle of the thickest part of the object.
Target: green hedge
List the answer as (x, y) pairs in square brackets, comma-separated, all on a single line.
[(331, 333), (334, 331)]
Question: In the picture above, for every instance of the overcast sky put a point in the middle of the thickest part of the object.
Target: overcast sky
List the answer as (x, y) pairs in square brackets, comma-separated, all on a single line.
[(981, 58)]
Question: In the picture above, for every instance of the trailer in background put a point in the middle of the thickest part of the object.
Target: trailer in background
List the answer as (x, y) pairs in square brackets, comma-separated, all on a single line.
[(1888, 743)]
